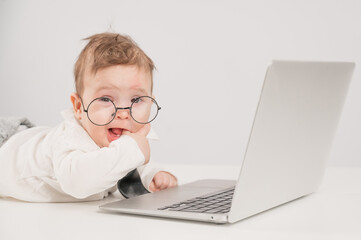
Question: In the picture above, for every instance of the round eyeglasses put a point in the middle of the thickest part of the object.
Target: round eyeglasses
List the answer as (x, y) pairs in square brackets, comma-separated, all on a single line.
[(101, 111)]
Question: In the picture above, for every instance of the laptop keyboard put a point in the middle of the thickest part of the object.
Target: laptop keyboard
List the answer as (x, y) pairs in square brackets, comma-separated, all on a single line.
[(218, 202)]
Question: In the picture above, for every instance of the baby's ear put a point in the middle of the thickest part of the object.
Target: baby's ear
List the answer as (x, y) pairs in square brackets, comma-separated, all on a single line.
[(75, 100)]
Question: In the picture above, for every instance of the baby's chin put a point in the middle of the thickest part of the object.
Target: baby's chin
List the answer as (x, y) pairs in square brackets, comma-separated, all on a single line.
[(103, 143)]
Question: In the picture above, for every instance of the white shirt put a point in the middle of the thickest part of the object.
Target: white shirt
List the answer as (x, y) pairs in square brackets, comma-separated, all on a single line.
[(64, 164)]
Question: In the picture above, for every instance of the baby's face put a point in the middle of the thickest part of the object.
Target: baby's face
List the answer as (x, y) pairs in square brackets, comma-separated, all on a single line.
[(121, 84)]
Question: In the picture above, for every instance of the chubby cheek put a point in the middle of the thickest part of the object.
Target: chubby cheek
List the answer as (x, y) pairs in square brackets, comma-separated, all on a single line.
[(136, 127), (100, 138), (98, 134)]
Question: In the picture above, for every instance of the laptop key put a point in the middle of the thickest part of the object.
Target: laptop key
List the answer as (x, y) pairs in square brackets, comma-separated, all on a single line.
[(178, 208), (163, 208), (225, 210), (212, 211), (193, 210)]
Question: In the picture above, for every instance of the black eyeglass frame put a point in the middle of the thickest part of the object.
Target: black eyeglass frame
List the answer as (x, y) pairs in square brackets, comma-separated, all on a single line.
[(117, 108)]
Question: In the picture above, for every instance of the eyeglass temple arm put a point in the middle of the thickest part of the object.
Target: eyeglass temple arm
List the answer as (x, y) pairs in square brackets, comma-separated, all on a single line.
[(83, 104)]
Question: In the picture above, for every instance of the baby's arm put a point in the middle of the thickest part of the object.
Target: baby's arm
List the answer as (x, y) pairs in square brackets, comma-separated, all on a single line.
[(82, 174)]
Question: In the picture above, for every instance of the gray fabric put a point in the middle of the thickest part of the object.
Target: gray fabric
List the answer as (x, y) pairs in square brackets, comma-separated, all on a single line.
[(10, 125)]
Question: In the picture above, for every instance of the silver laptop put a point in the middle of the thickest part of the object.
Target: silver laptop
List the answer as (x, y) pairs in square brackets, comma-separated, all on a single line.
[(291, 138)]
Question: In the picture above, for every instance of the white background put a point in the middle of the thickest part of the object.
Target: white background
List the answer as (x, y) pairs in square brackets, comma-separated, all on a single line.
[(211, 58)]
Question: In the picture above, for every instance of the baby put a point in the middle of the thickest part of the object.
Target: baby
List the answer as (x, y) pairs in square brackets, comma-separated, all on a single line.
[(102, 138)]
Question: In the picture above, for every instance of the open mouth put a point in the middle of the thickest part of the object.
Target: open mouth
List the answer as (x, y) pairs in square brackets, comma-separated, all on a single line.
[(114, 133)]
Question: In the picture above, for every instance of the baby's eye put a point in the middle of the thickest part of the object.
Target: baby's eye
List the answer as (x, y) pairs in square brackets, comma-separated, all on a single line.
[(105, 99), (136, 100)]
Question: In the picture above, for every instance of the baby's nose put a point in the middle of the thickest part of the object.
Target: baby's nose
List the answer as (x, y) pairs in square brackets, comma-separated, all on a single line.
[(123, 114)]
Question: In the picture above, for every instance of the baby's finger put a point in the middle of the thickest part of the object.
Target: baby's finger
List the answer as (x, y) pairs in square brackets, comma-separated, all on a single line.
[(159, 181), (165, 183), (152, 187), (126, 132), (173, 183)]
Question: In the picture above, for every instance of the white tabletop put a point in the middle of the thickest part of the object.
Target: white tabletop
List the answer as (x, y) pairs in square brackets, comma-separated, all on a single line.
[(333, 212)]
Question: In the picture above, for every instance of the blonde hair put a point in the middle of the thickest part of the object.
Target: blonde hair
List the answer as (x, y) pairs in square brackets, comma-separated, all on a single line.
[(108, 49)]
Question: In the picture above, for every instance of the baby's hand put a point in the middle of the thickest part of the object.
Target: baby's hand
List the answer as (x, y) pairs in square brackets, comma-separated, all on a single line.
[(162, 180), (142, 141)]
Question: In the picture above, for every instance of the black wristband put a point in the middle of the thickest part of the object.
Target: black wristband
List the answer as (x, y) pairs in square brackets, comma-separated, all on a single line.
[(131, 185)]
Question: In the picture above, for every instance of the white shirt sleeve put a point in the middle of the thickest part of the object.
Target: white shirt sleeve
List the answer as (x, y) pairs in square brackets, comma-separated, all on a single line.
[(148, 171), (82, 174)]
